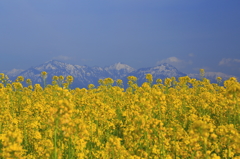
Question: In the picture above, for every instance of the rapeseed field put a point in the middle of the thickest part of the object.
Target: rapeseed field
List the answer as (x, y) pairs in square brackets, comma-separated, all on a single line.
[(172, 119)]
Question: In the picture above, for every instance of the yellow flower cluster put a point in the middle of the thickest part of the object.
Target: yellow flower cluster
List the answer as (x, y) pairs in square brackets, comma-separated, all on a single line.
[(187, 118)]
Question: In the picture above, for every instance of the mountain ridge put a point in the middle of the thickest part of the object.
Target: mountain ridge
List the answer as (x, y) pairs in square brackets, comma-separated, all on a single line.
[(85, 75)]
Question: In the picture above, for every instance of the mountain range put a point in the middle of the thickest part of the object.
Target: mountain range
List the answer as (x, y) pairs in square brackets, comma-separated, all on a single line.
[(85, 75)]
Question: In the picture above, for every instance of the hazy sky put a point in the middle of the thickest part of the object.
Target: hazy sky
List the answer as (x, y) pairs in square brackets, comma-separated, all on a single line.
[(189, 34)]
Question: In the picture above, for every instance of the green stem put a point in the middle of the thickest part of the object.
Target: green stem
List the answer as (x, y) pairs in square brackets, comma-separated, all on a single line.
[(55, 144)]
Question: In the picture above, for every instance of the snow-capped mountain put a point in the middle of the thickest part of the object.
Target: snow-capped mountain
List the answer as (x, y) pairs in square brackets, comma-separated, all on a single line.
[(119, 70), (85, 75), (161, 71)]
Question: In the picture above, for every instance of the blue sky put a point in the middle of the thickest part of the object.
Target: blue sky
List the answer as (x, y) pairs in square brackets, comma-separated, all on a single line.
[(141, 33)]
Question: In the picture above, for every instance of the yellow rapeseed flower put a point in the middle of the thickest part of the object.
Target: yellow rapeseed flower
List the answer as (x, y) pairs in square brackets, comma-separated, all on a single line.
[(147, 121)]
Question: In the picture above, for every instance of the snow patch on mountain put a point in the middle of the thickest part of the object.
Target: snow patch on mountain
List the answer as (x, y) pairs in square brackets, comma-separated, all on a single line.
[(120, 66), (14, 72), (118, 70)]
